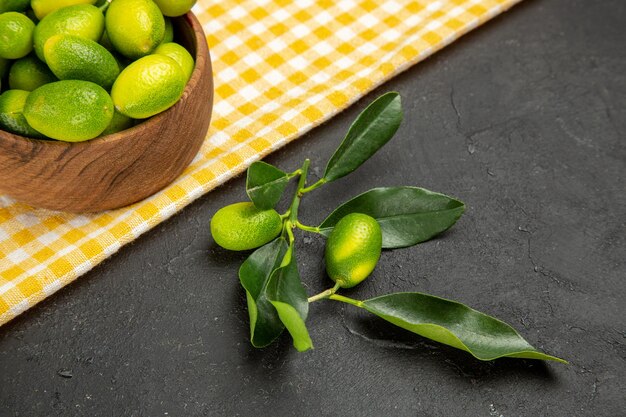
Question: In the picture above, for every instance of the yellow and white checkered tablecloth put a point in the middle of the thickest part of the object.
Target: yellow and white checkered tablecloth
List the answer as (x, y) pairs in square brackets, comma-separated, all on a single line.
[(281, 68)]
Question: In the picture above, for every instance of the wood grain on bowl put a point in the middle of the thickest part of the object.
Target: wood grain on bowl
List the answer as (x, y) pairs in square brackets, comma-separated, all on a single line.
[(119, 169)]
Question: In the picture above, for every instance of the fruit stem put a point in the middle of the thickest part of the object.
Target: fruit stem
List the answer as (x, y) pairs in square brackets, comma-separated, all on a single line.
[(311, 229), (318, 184), (346, 300), (324, 294), (105, 6)]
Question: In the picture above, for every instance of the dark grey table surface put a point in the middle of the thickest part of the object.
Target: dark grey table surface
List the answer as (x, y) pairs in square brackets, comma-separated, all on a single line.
[(524, 120)]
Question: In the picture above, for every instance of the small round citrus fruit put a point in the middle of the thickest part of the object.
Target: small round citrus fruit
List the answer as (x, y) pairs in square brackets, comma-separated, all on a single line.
[(178, 54), (82, 20), (5, 64), (29, 73), (31, 15), (69, 110), (118, 123), (106, 42), (74, 58), (243, 226), (353, 249), (16, 35), (14, 5), (169, 31), (148, 86), (135, 27), (175, 8), (42, 8), (11, 113)]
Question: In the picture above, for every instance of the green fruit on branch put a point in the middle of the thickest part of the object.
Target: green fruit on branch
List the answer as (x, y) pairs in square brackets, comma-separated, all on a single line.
[(243, 226), (353, 249), (389, 217)]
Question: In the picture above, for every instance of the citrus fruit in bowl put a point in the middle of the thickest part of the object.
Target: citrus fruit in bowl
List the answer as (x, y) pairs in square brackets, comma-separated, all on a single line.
[(117, 169)]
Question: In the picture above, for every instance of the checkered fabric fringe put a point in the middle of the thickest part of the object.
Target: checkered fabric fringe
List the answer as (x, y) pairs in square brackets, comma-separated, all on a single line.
[(280, 68)]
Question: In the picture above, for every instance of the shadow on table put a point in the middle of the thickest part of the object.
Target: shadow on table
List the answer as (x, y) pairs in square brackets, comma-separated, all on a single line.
[(403, 347), (389, 337)]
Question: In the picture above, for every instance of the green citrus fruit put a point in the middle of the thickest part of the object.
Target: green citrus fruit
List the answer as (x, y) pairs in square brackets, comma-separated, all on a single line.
[(31, 15), (42, 8), (69, 110), (82, 20), (175, 8), (122, 61), (5, 64), (16, 35), (13, 5), (242, 226), (135, 27), (148, 86), (169, 31), (353, 249), (178, 54), (29, 73), (106, 42), (118, 123), (11, 113), (74, 58)]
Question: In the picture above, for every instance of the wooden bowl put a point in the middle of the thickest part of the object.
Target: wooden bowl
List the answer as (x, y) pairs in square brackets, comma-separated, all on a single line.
[(119, 169)]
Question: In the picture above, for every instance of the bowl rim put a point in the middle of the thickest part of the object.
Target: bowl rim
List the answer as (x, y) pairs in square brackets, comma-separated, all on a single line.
[(199, 69)]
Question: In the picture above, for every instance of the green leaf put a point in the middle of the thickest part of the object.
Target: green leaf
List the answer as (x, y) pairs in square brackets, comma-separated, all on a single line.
[(265, 184), (254, 274), (369, 132), (289, 298), (407, 215), (453, 324)]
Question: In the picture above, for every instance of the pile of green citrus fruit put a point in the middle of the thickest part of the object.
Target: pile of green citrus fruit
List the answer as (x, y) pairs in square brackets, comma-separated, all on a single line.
[(74, 70)]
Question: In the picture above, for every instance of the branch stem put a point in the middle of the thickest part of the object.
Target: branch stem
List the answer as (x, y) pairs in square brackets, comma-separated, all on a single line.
[(295, 203), (289, 229), (318, 184), (346, 300), (294, 173), (311, 229), (324, 294)]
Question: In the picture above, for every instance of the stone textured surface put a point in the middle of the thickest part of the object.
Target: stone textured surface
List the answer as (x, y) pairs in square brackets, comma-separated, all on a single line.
[(524, 120)]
